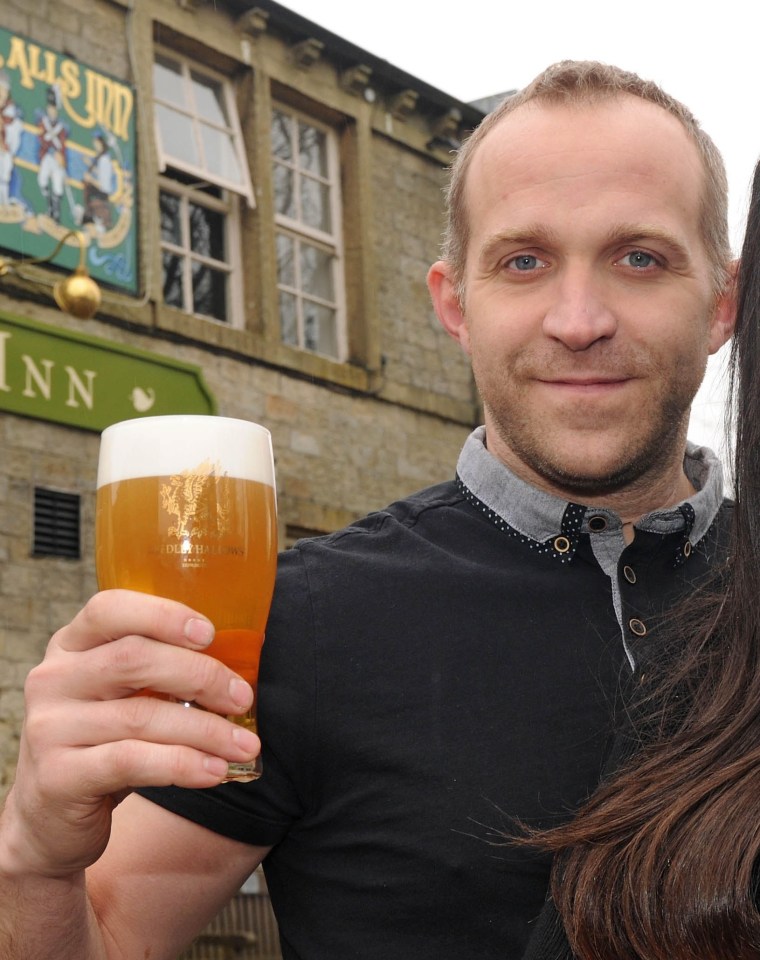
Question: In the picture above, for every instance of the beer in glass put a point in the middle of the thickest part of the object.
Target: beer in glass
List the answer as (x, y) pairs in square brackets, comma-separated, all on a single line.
[(186, 509)]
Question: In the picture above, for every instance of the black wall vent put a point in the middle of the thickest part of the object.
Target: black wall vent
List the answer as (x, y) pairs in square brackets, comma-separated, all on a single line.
[(56, 524)]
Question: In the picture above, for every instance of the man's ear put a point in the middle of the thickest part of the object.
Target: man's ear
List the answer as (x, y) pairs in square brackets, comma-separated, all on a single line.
[(447, 304), (724, 315)]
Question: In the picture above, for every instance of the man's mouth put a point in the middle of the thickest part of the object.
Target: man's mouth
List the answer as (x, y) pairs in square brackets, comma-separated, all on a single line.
[(586, 385)]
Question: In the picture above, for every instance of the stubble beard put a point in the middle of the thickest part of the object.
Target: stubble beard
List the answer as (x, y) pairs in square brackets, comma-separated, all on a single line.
[(646, 455), (641, 465)]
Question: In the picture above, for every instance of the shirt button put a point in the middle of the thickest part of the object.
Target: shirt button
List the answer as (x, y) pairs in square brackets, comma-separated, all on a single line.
[(561, 544), (597, 524), (637, 627), (629, 574), (687, 548)]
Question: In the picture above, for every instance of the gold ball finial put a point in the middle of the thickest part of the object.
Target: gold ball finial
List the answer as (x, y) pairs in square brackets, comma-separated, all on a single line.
[(78, 294)]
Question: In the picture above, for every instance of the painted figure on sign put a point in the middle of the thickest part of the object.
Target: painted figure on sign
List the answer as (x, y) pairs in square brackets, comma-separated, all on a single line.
[(98, 185), (53, 133), (11, 129)]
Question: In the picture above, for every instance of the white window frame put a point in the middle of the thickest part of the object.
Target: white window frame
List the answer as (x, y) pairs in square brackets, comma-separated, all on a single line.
[(330, 242), (229, 206), (167, 159)]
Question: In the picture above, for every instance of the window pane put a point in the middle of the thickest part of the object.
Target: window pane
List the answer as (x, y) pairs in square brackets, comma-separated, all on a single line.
[(209, 100), (209, 291), (308, 269), (207, 232), (319, 329), (281, 126), (312, 149), (286, 273), (284, 195), (177, 138), (315, 204), (167, 81), (171, 225), (172, 280), (220, 156), (288, 319), (316, 272)]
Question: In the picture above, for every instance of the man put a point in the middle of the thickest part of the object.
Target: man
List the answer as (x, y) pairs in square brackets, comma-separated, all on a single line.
[(11, 131), (52, 136), (450, 664), (98, 180)]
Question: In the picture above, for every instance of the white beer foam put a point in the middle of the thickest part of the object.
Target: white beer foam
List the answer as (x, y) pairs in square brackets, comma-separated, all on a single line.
[(165, 446)]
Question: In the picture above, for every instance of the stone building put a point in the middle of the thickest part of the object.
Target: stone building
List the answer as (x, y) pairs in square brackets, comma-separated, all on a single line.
[(258, 201)]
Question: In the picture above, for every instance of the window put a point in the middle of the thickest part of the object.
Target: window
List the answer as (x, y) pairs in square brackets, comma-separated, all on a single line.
[(196, 254), (308, 234), (198, 130), (204, 176)]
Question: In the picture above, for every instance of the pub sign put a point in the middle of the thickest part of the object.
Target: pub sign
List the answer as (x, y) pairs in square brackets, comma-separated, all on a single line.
[(68, 377), (67, 161)]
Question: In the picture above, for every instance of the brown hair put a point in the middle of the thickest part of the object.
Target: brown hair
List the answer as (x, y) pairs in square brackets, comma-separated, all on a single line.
[(581, 82), (663, 863)]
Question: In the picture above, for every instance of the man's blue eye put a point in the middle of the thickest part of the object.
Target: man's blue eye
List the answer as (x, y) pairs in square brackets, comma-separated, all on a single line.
[(526, 262), (640, 259)]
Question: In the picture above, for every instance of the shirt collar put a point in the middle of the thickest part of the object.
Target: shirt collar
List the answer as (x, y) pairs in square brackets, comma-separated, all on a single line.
[(541, 517)]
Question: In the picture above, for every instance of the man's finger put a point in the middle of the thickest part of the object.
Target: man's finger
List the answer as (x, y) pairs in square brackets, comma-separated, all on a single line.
[(112, 614)]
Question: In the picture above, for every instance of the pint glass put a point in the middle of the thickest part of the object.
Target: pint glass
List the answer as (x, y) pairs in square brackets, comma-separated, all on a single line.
[(186, 509)]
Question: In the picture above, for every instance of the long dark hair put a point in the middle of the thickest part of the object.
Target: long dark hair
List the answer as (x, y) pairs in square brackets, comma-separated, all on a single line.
[(663, 863)]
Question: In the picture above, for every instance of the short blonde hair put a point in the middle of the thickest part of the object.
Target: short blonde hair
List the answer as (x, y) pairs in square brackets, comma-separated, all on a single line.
[(581, 82)]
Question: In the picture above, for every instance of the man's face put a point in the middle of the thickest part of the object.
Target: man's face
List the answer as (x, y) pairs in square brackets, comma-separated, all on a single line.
[(588, 306)]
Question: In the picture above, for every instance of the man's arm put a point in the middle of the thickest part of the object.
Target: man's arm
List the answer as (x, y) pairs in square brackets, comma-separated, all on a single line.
[(41, 918), (162, 879), (159, 882), (87, 741)]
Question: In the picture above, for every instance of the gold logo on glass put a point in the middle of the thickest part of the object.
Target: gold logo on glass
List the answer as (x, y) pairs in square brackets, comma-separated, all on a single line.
[(198, 501)]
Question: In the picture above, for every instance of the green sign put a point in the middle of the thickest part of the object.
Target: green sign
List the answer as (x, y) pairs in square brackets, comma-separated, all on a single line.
[(64, 377), (67, 161)]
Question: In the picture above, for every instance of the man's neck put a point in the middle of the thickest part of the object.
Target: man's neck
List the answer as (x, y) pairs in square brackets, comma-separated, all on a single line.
[(658, 490), (653, 492)]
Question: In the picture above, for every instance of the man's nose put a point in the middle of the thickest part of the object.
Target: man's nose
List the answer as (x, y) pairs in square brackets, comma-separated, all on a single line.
[(579, 314)]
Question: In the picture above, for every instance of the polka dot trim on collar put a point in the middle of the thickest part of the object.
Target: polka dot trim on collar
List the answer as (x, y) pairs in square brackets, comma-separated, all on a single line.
[(686, 547), (562, 547)]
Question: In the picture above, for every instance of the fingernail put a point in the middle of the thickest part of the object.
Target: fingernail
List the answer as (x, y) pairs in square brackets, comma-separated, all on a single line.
[(241, 692), (215, 766), (246, 740), (199, 632)]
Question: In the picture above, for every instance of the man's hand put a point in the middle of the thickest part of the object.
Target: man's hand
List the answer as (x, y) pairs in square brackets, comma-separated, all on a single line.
[(87, 739)]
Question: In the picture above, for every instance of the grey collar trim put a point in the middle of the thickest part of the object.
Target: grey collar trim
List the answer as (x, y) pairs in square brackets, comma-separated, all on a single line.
[(539, 516)]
